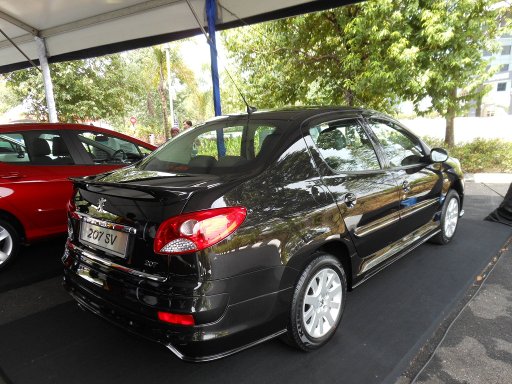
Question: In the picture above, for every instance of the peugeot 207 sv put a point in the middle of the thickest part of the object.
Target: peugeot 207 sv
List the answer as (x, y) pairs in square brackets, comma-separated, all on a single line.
[(254, 226), (36, 160)]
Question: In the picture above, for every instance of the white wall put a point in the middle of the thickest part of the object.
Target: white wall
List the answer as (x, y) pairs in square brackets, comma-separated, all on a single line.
[(466, 128)]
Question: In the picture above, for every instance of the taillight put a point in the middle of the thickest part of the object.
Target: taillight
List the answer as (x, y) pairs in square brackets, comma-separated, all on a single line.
[(175, 318), (196, 231)]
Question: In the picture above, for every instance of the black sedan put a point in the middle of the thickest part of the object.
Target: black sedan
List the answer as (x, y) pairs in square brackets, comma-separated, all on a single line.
[(253, 226)]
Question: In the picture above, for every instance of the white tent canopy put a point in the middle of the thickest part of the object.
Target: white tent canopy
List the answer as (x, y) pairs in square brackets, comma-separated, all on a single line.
[(74, 29)]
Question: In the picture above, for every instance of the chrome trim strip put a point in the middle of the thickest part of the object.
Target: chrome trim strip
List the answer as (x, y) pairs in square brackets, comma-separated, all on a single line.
[(89, 258), (417, 207), (461, 213), (369, 275), (84, 273), (398, 246), (376, 225), (106, 224)]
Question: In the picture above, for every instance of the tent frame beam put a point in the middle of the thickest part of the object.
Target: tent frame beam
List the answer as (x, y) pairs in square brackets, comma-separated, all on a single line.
[(83, 23), (20, 24)]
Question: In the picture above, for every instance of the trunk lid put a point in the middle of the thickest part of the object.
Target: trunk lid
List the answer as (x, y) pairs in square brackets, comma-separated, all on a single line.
[(116, 215)]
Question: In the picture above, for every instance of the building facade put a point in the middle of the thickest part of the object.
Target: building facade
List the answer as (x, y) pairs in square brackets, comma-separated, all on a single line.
[(499, 99)]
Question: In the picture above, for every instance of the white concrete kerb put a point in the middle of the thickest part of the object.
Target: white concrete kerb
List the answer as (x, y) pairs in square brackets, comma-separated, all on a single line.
[(491, 178)]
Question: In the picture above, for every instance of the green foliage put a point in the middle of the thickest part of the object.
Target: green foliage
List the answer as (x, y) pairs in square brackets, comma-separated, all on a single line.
[(452, 37), (208, 146), (480, 155), (353, 55), (373, 54), (146, 71), (7, 98), (84, 90)]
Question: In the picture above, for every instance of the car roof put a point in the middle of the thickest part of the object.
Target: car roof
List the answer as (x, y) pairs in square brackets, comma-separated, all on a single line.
[(19, 127), (293, 113)]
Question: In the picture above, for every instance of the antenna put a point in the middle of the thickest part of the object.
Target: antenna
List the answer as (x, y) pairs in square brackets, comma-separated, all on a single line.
[(250, 109)]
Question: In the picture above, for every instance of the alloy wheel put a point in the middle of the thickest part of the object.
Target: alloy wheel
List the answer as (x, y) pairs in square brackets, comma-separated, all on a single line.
[(451, 217), (322, 303), (6, 245)]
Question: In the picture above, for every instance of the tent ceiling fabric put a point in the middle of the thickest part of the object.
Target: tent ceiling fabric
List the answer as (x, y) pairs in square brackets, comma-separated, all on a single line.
[(86, 28)]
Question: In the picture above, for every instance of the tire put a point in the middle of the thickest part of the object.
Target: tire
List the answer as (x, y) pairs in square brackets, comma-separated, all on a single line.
[(449, 218), (318, 303), (9, 243)]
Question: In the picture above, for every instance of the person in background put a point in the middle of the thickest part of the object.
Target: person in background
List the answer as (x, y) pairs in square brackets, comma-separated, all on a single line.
[(174, 131), (187, 124)]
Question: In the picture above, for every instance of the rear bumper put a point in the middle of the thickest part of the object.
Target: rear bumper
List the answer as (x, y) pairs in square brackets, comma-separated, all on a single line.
[(132, 303)]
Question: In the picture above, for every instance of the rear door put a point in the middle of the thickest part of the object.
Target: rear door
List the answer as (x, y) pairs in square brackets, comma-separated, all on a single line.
[(366, 193), (37, 177), (420, 181)]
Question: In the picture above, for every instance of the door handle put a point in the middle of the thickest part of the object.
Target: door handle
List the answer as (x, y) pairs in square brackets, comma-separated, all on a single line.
[(350, 200), (406, 186)]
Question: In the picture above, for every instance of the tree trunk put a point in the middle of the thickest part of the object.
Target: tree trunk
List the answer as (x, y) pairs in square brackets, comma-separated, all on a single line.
[(449, 137), (478, 111), (161, 92)]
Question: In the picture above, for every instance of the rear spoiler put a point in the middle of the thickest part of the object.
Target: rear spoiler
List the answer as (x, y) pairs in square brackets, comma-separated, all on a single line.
[(181, 193)]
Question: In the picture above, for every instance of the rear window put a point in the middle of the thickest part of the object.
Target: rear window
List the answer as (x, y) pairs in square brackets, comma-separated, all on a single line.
[(216, 148)]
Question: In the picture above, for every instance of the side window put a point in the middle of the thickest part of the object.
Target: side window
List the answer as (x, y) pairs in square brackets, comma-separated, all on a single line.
[(260, 134), (400, 148), (107, 149), (13, 149), (345, 146), (47, 148)]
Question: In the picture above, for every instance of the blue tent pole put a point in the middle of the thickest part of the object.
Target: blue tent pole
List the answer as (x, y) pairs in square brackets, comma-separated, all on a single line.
[(211, 15)]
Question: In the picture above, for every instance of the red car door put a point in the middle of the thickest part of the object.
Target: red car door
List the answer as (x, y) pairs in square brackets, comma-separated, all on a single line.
[(34, 183)]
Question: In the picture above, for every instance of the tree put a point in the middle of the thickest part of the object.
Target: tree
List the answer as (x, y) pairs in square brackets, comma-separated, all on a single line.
[(372, 54), (7, 99), (90, 89), (452, 37), (349, 55), (146, 69)]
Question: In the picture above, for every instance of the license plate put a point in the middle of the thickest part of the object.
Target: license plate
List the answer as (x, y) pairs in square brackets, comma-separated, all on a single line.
[(108, 240)]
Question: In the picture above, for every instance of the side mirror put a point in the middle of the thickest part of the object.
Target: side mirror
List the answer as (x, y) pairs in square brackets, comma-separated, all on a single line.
[(438, 155)]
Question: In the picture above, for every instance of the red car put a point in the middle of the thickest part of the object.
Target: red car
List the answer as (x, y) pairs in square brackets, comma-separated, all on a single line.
[(36, 161)]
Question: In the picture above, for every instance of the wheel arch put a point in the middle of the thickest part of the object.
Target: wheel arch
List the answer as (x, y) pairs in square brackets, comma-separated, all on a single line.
[(341, 251), (13, 220), (337, 248), (458, 186)]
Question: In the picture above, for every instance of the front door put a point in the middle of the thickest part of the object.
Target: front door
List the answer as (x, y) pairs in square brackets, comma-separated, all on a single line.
[(419, 180), (366, 194)]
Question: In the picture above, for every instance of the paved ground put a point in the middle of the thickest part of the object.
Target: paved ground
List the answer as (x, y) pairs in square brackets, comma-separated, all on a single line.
[(45, 338), (478, 346)]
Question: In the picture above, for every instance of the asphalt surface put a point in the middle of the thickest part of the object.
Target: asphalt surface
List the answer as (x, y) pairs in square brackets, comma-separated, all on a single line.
[(478, 346), (45, 338)]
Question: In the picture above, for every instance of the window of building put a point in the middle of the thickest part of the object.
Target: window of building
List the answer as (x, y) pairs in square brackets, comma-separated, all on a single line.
[(503, 68), (502, 87), (505, 50)]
